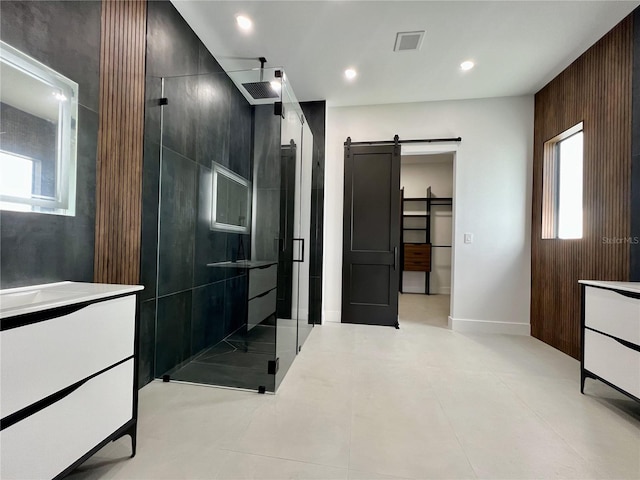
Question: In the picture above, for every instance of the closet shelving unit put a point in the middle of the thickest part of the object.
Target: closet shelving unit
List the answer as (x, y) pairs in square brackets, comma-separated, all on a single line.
[(416, 256)]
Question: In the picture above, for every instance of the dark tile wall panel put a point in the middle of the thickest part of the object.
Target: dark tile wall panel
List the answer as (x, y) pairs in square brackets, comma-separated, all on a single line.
[(66, 37), (173, 331), (172, 47), (595, 89), (208, 319), (180, 119), (240, 138), (150, 195), (213, 120), (177, 223), (146, 351)]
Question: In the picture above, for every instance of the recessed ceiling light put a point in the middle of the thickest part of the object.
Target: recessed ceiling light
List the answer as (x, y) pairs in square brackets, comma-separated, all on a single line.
[(350, 73), (244, 23), (467, 65)]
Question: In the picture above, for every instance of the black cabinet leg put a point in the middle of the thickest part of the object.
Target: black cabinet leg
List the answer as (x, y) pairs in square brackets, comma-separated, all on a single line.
[(132, 431), (583, 377), (133, 444)]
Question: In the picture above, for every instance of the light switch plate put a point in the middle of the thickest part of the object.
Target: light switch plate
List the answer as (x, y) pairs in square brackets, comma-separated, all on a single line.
[(468, 238)]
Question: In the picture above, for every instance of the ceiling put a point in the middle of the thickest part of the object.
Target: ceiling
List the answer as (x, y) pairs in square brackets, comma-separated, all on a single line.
[(518, 46)]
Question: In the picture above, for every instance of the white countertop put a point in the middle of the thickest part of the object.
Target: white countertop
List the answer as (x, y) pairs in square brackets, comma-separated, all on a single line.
[(22, 300), (633, 287)]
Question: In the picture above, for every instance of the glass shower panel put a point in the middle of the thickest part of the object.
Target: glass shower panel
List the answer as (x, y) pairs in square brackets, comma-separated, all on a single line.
[(304, 327), (216, 288), (290, 255)]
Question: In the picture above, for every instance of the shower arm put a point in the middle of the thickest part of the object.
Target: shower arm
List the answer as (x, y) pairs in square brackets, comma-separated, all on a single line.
[(262, 62)]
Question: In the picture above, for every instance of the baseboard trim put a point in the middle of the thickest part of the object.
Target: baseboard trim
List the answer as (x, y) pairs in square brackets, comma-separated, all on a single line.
[(466, 325), (334, 316)]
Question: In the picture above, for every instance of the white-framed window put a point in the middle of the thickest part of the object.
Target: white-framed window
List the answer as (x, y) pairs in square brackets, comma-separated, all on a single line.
[(562, 210), (38, 120)]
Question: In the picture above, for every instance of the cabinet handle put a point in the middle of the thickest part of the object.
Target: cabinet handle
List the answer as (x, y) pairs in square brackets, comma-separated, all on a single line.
[(395, 258), (628, 294), (34, 408), (630, 345), (41, 316), (264, 294), (624, 343)]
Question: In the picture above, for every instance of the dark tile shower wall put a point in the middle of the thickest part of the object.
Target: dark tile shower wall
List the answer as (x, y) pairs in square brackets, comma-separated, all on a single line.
[(315, 113), (38, 248), (206, 119)]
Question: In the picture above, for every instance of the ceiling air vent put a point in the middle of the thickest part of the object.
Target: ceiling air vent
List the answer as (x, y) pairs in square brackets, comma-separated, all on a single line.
[(406, 41)]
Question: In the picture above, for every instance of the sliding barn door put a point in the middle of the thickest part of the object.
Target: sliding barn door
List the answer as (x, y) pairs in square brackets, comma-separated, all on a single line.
[(370, 269)]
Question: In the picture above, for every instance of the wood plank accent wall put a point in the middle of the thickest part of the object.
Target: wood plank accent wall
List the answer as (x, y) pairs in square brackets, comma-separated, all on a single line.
[(595, 89), (120, 142)]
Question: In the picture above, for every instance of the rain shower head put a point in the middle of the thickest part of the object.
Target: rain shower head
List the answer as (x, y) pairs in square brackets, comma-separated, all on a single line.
[(262, 89)]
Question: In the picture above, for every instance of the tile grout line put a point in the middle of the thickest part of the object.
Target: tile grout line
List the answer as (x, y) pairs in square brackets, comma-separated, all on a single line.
[(544, 421), (231, 450), (437, 397)]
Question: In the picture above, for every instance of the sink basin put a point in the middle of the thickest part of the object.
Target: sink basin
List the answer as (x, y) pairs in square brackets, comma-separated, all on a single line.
[(25, 300), (12, 300), (30, 297)]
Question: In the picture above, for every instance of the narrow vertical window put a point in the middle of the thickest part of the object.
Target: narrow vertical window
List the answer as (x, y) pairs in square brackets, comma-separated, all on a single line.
[(562, 185)]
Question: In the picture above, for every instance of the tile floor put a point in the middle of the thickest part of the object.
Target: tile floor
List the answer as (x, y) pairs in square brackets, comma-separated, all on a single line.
[(365, 403)]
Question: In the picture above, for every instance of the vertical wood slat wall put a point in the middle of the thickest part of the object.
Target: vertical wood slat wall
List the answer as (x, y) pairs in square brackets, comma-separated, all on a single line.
[(595, 89), (120, 142)]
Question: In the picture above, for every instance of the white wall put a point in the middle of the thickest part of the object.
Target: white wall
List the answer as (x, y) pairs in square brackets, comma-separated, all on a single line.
[(416, 174), (493, 170)]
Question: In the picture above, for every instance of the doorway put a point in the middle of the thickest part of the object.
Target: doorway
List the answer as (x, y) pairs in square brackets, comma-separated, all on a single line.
[(427, 191)]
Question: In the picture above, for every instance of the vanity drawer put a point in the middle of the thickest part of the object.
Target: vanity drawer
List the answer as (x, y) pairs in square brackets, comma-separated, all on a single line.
[(43, 358), (260, 308), (262, 280), (47, 442), (612, 361), (613, 313)]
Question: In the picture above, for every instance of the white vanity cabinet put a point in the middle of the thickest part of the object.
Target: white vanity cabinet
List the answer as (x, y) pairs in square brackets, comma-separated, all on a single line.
[(611, 335), (68, 372)]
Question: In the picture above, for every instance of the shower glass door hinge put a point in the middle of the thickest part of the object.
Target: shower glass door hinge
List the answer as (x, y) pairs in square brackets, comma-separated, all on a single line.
[(278, 109), (273, 366), (163, 101)]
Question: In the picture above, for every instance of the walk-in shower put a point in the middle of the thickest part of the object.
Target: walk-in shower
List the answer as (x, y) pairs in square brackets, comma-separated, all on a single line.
[(233, 228)]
